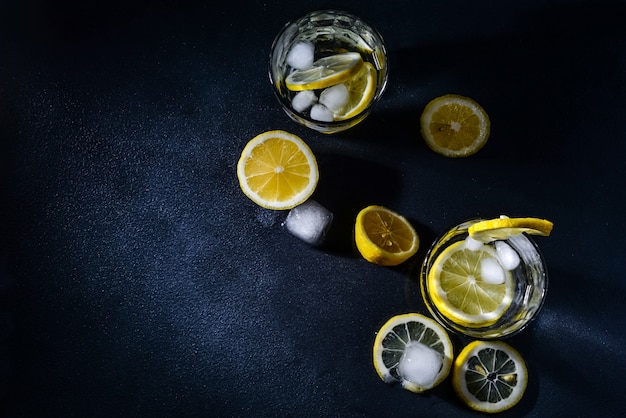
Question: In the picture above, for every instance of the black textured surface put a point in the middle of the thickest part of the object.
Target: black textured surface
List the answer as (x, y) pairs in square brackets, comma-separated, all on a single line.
[(137, 280)]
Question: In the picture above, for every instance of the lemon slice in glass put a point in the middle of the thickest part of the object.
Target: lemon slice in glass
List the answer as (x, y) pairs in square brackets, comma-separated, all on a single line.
[(384, 237), (361, 89), (325, 72), (277, 170), (414, 350), (454, 126), (489, 376), (503, 228), (459, 291)]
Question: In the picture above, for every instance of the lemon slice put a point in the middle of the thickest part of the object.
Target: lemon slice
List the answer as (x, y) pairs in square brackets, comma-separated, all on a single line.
[(503, 228), (489, 376), (361, 91), (461, 293), (384, 237), (277, 170), (325, 72), (428, 347), (454, 126)]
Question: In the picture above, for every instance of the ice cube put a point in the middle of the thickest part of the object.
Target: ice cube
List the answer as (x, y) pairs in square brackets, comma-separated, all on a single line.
[(507, 256), (491, 271), (300, 55), (335, 97), (420, 364), (303, 100), (472, 244), (321, 113), (309, 221)]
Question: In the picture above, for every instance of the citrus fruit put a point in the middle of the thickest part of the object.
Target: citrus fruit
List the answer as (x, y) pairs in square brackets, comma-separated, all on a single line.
[(325, 72), (489, 376), (361, 89), (277, 170), (460, 290), (454, 126), (503, 228), (416, 345), (384, 237)]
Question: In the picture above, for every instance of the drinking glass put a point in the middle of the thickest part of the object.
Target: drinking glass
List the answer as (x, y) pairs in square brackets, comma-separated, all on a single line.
[(327, 33), (529, 283)]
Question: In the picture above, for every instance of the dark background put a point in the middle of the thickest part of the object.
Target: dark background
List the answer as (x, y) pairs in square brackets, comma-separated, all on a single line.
[(138, 280)]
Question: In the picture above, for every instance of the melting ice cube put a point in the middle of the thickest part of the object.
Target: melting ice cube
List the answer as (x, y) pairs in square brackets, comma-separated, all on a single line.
[(300, 55), (309, 222), (303, 100), (472, 244), (335, 97), (321, 113), (491, 271), (507, 255), (420, 364)]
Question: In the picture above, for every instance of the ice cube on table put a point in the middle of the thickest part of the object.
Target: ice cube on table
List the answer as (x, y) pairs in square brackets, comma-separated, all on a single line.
[(335, 97), (309, 221), (300, 56), (321, 113), (491, 271), (303, 100), (507, 255), (420, 364)]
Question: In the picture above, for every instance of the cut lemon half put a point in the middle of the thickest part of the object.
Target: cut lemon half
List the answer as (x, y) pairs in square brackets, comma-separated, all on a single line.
[(454, 126), (361, 89), (459, 291), (489, 376), (384, 237), (325, 72), (503, 228), (414, 350), (277, 170)]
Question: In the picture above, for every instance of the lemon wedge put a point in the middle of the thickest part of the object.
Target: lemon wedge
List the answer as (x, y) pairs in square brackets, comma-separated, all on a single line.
[(384, 237), (489, 376), (361, 89), (503, 228), (277, 170), (325, 72), (454, 126)]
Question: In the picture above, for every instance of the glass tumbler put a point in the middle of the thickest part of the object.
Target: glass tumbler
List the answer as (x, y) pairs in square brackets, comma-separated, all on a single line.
[(328, 69), (513, 269)]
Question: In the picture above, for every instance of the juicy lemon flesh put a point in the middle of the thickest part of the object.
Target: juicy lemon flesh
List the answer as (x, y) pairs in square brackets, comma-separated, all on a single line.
[(503, 228), (455, 127), (325, 72), (388, 231), (460, 294), (490, 377), (277, 171), (361, 89), (395, 335), (384, 237)]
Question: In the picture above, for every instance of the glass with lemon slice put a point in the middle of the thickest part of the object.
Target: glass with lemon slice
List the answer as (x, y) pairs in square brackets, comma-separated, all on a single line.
[(486, 278), (328, 68)]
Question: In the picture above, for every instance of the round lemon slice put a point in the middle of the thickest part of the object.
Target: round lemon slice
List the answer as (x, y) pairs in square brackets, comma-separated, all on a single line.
[(325, 72), (277, 170), (503, 228), (414, 350), (384, 237), (461, 293), (454, 126), (361, 91), (489, 376)]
